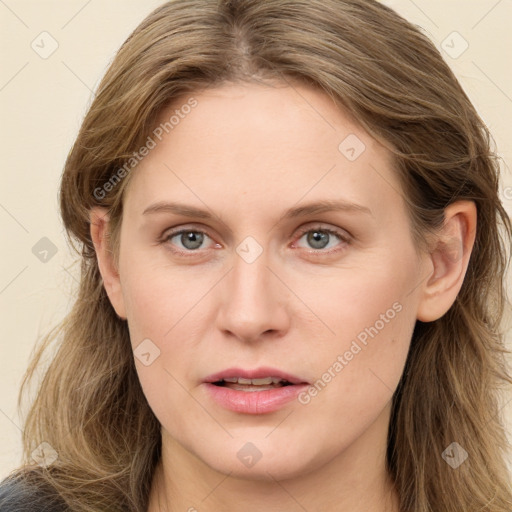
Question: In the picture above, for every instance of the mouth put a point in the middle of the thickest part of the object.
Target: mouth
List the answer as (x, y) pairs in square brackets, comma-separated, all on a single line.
[(257, 391), (251, 385)]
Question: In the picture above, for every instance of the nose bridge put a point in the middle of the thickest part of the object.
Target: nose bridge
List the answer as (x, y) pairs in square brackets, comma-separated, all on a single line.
[(250, 272), (249, 281)]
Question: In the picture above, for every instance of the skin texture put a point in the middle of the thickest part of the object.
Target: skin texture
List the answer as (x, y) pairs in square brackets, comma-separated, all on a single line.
[(246, 154)]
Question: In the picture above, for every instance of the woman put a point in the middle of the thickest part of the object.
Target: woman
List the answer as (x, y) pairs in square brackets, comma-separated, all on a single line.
[(293, 256)]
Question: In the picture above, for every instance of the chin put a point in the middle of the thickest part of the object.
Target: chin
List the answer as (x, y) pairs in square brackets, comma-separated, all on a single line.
[(262, 461), (269, 472)]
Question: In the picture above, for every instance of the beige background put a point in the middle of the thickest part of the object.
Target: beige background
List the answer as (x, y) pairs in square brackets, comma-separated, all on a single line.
[(42, 101)]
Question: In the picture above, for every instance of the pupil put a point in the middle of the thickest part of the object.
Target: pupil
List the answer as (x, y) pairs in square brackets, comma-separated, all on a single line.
[(192, 240), (315, 239)]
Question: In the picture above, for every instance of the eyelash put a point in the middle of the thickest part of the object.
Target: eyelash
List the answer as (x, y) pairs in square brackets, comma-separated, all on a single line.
[(344, 238)]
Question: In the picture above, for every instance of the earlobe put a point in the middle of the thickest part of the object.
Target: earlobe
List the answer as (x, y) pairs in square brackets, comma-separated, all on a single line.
[(99, 221), (449, 260)]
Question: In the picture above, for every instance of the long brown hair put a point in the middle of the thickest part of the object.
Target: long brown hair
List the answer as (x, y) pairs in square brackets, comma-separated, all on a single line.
[(381, 69)]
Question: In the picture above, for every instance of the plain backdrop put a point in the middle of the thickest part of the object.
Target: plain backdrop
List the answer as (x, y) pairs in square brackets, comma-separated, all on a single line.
[(52, 58)]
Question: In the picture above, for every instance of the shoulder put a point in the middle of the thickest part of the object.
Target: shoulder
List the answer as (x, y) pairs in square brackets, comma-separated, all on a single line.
[(19, 494)]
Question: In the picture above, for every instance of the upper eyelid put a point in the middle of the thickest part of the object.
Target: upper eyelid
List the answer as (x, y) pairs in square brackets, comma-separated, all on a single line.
[(177, 230), (337, 231), (310, 226)]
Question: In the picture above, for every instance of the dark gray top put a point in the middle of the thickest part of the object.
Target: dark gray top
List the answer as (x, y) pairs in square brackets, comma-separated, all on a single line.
[(18, 495)]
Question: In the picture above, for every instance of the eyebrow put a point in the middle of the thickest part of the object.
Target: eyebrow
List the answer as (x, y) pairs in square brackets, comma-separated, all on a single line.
[(313, 208)]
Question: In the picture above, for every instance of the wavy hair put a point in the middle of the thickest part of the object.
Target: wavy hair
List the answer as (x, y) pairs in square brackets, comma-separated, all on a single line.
[(389, 76)]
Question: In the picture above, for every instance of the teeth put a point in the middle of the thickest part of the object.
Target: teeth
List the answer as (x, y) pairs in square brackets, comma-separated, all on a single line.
[(261, 382), (254, 382)]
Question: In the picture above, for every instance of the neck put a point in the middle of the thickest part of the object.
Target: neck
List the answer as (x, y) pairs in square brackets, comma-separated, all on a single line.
[(354, 480)]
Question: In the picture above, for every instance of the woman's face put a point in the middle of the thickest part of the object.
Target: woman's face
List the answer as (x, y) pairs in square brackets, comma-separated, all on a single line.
[(296, 262)]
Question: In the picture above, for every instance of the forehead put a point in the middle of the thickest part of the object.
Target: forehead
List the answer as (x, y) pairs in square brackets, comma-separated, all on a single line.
[(260, 145)]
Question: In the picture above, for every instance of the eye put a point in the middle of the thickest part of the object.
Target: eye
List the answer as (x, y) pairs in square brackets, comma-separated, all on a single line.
[(320, 238), (191, 240), (188, 241)]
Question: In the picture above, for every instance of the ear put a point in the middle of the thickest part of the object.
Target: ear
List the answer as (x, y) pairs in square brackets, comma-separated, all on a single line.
[(448, 260), (99, 220)]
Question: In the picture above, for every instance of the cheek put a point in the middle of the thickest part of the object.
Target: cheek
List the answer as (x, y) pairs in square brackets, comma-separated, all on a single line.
[(165, 305), (160, 308), (372, 312), (158, 297)]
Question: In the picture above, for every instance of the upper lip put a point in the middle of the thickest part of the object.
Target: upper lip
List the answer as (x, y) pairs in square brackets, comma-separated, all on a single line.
[(256, 373)]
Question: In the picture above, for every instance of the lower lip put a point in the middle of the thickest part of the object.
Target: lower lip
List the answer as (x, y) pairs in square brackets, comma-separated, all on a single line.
[(254, 402)]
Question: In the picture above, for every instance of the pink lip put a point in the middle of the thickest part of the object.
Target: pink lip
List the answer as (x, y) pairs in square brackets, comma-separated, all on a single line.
[(254, 402)]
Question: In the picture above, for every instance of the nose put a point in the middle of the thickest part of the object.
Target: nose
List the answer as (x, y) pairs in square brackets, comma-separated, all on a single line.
[(254, 302)]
